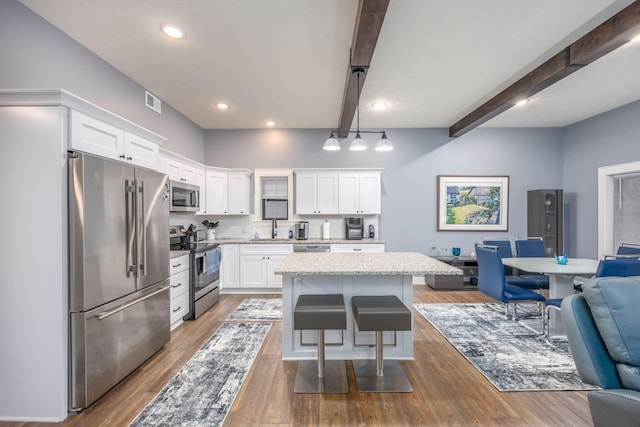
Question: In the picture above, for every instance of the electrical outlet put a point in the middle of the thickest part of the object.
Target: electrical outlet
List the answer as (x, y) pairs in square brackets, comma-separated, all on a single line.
[(244, 230)]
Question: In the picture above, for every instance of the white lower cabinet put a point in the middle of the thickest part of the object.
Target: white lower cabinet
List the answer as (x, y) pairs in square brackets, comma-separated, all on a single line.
[(179, 293), (230, 273), (257, 263), (354, 247)]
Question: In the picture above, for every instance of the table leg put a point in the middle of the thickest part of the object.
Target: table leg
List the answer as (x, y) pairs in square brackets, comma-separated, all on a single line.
[(560, 286)]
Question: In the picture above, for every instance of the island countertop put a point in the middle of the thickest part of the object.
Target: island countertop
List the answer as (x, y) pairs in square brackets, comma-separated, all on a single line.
[(363, 264)]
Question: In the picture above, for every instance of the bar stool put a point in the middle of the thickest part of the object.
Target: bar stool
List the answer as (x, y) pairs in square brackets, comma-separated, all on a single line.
[(380, 313), (320, 312)]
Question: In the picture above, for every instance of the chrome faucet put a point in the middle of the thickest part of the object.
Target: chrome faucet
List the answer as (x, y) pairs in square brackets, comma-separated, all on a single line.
[(274, 228)]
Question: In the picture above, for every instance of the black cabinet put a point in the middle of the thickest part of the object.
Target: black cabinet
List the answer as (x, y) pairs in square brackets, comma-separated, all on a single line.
[(468, 280), (544, 218)]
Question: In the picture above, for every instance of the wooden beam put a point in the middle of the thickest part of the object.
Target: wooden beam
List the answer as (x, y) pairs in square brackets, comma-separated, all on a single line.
[(605, 38), (365, 36)]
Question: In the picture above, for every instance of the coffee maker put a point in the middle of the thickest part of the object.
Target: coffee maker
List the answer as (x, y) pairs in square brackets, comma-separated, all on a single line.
[(354, 228)]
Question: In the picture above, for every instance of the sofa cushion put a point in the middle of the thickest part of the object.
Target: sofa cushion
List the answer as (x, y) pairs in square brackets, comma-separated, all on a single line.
[(614, 304)]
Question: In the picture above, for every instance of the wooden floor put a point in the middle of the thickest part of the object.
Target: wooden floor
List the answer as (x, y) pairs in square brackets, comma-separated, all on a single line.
[(448, 390)]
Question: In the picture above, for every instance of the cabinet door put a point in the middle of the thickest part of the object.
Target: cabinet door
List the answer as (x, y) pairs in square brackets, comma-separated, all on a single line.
[(216, 197), (272, 262), (96, 137), (238, 193), (172, 168), (201, 181), (348, 194), (230, 274), (327, 193), (141, 152), (369, 194), (188, 174), (306, 193), (252, 271)]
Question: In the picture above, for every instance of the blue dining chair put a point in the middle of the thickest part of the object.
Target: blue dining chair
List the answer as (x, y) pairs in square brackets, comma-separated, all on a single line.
[(492, 282), (622, 267), (532, 247), (504, 249), (628, 249)]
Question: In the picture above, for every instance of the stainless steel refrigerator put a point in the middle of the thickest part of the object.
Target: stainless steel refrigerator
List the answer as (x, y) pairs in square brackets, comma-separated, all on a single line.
[(119, 272)]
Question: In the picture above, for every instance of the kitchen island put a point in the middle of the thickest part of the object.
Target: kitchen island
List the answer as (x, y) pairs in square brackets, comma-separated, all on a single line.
[(351, 274)]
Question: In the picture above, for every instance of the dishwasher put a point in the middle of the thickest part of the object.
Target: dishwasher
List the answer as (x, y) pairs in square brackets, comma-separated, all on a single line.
[(298, 247)]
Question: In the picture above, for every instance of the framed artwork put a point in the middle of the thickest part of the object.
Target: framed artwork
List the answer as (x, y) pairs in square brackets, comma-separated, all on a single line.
[(473, 203)]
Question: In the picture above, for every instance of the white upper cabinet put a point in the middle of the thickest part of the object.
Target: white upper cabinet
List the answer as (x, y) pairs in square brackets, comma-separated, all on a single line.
[(179, 171), (359, 193), (216, 189), (238, 192), (94, 136), (227, 193), (316, 193)]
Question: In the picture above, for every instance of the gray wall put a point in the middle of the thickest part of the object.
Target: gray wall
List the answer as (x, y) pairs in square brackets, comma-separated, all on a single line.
[(608, 139), (531, 157), (35, 54)]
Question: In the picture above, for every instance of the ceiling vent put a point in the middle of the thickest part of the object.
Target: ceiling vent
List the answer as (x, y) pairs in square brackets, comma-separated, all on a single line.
[(153, 102)]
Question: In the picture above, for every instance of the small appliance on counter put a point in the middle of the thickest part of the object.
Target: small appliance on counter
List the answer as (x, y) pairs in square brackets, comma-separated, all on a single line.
[(372, 231), (354, 228), (301, 230)]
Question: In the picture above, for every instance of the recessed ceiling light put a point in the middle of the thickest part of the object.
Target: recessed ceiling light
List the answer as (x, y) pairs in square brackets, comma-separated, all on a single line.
[(521, 102), (380, 105), (636, 38), (173, 31), (222, 106), (270, 123)]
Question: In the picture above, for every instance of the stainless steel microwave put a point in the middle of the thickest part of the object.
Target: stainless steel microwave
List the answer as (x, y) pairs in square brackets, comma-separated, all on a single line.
[(184, 197)]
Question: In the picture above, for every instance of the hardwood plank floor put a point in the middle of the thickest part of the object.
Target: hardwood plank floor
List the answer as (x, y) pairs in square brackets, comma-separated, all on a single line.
[(448, 390)]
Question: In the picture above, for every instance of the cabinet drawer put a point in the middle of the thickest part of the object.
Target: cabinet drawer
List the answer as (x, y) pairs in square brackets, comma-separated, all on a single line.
[(266, 249), (178, 264), (179, 283), (179, 307)]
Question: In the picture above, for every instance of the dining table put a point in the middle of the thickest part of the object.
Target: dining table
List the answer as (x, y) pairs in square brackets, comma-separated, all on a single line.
[(560, 279)]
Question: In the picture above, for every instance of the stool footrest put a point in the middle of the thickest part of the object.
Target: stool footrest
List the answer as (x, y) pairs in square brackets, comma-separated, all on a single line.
[(394, 379), (334, 381)]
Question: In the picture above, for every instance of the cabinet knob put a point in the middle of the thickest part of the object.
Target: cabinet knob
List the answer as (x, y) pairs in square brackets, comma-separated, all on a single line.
[(129, 158), (121, 156)]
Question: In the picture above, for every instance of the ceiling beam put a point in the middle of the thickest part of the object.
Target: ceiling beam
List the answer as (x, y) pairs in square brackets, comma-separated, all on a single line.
[(365, 36), (605, 38)]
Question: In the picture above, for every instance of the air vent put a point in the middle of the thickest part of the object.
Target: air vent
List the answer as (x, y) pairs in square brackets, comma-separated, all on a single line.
[(153, 102)]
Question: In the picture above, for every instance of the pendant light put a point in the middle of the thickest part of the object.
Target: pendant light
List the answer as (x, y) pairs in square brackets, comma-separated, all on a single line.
[(358, 143)]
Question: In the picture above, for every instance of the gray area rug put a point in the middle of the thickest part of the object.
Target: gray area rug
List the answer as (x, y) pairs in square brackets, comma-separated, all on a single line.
[(258, 309), (499, 349), (202, 392)]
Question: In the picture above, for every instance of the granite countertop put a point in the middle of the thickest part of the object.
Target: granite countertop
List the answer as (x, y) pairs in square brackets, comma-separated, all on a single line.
[(364, 264), (231, 240), (176, 254)]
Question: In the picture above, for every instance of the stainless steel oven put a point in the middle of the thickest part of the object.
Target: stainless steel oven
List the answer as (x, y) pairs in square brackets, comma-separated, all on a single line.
[(205, 278)]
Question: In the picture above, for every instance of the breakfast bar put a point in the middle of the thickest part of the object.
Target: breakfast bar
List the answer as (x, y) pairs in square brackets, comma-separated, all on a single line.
[(351, 274)]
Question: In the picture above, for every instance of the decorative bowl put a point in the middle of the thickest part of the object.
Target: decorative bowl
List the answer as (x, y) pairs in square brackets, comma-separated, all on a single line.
[(562, 259)]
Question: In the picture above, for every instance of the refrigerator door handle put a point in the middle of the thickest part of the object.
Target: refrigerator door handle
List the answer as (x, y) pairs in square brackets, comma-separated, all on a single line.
[(106, 314), (129, 225), (143, 227)]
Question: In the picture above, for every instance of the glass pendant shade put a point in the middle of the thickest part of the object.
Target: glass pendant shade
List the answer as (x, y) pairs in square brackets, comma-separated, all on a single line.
[(358, 143), (384, 144), (331, 144)]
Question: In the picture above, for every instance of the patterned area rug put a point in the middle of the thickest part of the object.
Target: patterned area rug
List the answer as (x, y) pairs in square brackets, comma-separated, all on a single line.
[(204, 389), (501, 351), (258, 309)]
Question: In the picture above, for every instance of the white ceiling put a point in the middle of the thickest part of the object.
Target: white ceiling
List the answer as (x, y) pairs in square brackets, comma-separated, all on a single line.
[(287, 60)]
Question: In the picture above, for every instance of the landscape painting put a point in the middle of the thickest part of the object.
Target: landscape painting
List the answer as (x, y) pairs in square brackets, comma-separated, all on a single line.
[(473, 203)]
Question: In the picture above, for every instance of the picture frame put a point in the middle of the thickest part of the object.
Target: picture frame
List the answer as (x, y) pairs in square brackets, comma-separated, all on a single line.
[(473, 203)]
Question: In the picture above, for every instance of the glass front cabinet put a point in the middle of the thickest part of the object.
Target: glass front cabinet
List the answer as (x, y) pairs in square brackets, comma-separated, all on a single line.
[(544, 219)]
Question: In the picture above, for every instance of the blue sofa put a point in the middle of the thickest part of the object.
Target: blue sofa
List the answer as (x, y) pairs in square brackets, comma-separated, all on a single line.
[(603, 328)]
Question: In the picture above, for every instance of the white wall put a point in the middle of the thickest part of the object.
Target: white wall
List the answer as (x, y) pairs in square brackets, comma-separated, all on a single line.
[(33, 223)]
